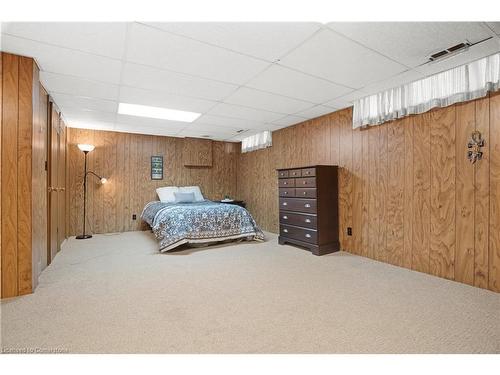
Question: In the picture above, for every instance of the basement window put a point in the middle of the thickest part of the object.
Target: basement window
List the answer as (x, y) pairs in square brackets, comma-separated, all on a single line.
[(257, 141)]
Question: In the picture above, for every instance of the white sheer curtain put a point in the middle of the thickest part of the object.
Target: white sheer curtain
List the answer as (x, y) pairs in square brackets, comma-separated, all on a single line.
[(257, 141), (459, 84)]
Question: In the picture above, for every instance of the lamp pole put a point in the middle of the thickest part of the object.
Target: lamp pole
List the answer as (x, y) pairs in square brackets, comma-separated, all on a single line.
[(86, 149), (84, 236)]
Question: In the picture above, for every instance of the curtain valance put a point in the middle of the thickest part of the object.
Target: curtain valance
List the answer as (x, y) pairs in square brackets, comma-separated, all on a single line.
[(466, 82)]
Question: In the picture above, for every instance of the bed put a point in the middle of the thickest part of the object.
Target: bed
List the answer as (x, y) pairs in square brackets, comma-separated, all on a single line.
[(198, 222)]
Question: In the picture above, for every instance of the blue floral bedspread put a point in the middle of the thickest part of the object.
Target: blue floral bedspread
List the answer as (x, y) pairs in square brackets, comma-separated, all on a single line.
[(207, 221)]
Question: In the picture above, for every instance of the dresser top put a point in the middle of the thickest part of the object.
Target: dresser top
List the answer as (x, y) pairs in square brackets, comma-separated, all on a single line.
[(307, 166)]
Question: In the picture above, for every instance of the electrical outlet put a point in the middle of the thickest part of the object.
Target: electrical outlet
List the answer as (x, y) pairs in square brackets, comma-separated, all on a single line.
[(134, 217), (349, 231)]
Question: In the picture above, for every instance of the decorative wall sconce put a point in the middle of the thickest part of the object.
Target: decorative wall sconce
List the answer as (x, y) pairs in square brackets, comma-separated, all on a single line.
[(474, 154)]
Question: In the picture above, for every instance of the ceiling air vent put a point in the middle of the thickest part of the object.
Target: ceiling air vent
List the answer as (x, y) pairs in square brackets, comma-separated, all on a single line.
[(461, 47), (453, 50), (240, 131)]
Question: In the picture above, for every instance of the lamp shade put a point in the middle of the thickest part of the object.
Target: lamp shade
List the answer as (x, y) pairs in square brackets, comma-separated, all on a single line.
[(86, 147)]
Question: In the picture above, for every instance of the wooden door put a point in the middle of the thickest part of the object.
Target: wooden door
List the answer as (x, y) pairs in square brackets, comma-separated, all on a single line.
[(61, 184), (53, 183)]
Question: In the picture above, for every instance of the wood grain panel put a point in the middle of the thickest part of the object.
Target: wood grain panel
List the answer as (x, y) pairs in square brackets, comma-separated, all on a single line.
[(494, 232), (345, 177), (357, 192), (408, 193), (373, 216), (421, 192), (23, 205), (382, 195), (395, 192), (334, 139), (10, 110), (39, 194), (197, 152), (413, 160), (125, 160), (442, 244), (24, 176), (482, 196), (464, 256), (365, 175)]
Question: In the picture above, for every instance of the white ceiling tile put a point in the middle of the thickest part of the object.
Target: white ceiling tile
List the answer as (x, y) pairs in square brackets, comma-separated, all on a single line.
[(88, 116), (265, 40), (230, 122), (161, 99), (205, 129), (266, 101), (82, 124), (64, 61), (346, 100), (281, 80), (410, 43), (149, 130), (164, 50), (245, 113), (83, 103), (178, 84), (474, 53), (315, 111), (291, 120), (495, 26), (57, 83), (392, 82), (150, 122), (103, 38), (336, 58)]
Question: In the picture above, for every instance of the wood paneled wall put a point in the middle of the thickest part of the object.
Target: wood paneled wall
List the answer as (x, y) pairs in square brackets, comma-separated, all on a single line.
[(406, 187), (19, 103), (39, 194), (125, 160)]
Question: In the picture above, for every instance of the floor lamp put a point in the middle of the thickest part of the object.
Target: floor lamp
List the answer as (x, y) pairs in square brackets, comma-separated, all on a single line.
[(86, 148)]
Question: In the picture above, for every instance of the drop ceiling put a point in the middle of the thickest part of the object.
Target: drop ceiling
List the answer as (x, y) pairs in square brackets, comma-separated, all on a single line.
[(242, 77)]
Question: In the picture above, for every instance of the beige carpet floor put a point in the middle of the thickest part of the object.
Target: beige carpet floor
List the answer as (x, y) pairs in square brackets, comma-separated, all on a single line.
[(117, 294)]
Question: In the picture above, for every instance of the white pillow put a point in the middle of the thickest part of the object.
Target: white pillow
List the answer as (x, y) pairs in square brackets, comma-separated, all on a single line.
[(166, 194), (193, 189)]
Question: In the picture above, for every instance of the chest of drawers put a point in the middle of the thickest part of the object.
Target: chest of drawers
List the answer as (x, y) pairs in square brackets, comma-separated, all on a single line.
[(308, 208)]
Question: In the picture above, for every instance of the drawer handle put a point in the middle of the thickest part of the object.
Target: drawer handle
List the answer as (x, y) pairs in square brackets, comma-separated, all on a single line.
[(304, 182), (307, 205), (304, 193), (286, 192), (307, 220), (285, 204), (285, 230), (285, 217), (308, 235), (285, 183), (308, 172)]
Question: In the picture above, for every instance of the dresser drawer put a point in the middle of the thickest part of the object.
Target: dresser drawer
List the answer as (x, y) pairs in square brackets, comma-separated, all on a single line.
[(305, 192), (300, 220), (287, 192), (286, 182), (306, 182), (295, 173), (308, 172), (297, 204), (282, 174), (301, 234)]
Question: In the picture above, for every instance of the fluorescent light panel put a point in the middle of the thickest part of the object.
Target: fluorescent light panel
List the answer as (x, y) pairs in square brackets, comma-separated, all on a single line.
[(156, 112)]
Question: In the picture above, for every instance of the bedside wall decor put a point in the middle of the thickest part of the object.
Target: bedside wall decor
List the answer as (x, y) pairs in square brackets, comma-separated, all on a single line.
[(157, 167)]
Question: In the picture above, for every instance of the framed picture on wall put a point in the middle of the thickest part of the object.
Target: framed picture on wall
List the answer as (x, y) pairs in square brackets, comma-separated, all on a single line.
[(157, 167)]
